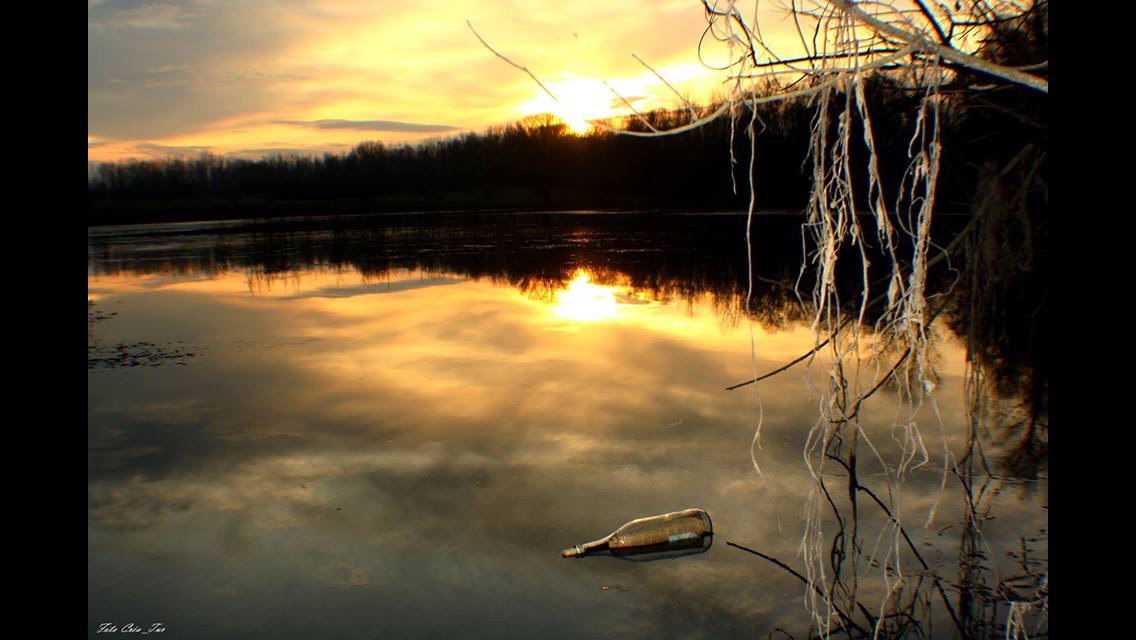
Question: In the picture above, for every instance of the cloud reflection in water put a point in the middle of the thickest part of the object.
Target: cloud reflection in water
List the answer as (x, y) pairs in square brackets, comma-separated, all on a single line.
[(409, 460)]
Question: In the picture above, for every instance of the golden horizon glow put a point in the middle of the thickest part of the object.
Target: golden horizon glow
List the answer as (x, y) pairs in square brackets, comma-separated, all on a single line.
[(579, 103), (323, 80)]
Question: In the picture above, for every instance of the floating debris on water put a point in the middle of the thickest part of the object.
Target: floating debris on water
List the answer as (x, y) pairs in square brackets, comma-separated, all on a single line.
[(665, 536)]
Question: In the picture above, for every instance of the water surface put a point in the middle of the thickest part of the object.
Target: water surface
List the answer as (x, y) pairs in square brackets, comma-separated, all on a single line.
[(321, 430)]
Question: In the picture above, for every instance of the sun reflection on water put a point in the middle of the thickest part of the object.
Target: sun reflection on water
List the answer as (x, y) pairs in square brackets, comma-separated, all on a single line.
[(584, 301)]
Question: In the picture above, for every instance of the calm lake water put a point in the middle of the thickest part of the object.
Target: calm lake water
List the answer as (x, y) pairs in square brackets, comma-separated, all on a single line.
[(360, 429)]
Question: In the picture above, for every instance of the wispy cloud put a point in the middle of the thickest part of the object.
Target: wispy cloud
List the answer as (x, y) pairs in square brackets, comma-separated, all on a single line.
[(166, 150), (180, 74), (371, 125), (261, 152), (142, 14)]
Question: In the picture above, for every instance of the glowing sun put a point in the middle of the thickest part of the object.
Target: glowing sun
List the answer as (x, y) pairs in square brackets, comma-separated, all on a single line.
[(578, 101)]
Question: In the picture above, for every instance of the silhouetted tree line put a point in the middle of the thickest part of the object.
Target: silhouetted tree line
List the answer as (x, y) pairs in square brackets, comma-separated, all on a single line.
[(538, 163), (680, 257)]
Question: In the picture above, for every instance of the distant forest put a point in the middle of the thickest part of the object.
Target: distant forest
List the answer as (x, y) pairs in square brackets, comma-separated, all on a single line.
[(538, 163)]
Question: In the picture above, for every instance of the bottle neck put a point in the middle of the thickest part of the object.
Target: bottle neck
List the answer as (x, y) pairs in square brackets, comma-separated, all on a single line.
[(597, 547)]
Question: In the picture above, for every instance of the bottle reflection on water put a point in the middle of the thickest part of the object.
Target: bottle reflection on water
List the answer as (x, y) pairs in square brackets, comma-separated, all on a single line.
[(667, 536)]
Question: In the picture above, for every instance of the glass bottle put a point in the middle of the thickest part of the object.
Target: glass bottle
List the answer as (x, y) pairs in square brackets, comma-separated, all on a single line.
[(669, 535)]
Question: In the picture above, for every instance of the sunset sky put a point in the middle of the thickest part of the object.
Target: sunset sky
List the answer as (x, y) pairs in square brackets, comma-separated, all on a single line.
[(253, 77)]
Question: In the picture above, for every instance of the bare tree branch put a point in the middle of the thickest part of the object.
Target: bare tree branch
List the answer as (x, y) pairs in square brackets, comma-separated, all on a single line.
[(511, 63), (973, 62)]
